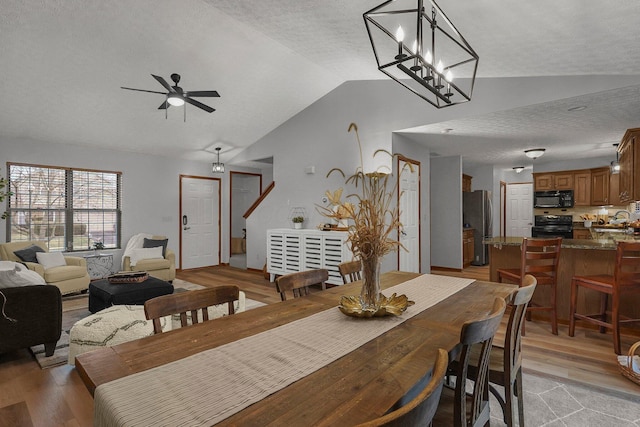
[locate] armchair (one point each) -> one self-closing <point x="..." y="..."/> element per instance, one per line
<point x="161" y="268"/>
<point x="37" y="310"/>
<point x="73" y="277"/>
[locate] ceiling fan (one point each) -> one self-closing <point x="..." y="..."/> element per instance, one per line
<point x="176" y="96"/>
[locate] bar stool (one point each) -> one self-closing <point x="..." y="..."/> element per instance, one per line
<point x="625" y="279"/>
<point x="539" y="257"/>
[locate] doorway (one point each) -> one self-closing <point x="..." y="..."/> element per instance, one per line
<point x="245" y="189"/>
<point x="200" y="221"/>
<point x="409" y="205"/>
<point x="519" y="210"/>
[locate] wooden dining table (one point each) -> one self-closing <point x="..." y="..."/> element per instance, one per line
<point x="357" y="387"/>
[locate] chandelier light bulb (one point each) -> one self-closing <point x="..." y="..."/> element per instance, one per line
<point x="440" y="67"/>
<point x="414" y="47"/>
<point x="400" y="34"/>
<point x="449" y="76"/>
<point x="428" y="57"/>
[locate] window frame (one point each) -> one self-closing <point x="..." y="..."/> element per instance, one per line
<point x="69" y="210"/>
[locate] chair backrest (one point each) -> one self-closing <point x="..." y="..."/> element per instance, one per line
<point x="627" y="269"/>
<point x="513" y="336"/>
<point x="420" y="410"/>
<point x="350" y="271"/>
<point x="191" y="301"/>
<point x="540" y="258"/>
<point x="479" y="333"/>
<point x="298" y="283"/>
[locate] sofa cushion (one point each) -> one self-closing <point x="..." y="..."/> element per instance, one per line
<point x="139" y="254"/>
<point x="28" y="254"/>
<point x="152" y="264"/>
<point x="154" y="243"/>
<point x="65" y="272"/>
<point x="13" y="274"/>
<point x="50" y="259"/>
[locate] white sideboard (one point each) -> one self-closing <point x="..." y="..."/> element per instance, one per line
<point x="291" y="250"/>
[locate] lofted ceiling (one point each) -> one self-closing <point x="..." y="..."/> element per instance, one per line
<point x="63" y="63"/>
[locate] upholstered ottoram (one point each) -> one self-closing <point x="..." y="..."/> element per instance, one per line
<point x="103" y="294"/>
<point x="69" y="278"/>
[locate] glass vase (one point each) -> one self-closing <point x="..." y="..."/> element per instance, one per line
<point x="370" y="293"/>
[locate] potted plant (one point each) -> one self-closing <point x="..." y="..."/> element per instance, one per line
<point x="297" y="221"/>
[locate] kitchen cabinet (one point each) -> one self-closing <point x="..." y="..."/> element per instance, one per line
<point x="466" y="183"/>
<point x="600" y="186"/>
<point x="614" y="189"/>
<point x="581" y="233"/>
<point x="629" y="158"/>
<point x="582" y="188"/>
<point x="468" y="244"/>
<point x="553" y="181"/>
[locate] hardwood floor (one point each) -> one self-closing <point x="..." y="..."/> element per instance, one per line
<point x="30" y="396"/>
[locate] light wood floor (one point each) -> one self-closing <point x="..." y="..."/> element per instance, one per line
<point x="30" y="396"/>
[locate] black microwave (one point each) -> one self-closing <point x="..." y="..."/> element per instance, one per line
<point x="553" y="199"/>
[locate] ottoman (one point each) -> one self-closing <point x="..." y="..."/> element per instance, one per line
<point x="103" y="294"/>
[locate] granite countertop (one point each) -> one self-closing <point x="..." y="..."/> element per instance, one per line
<point x="602" y="244"/>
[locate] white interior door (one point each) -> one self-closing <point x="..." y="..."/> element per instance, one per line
<point x="200" y="216"/>
<point x="409" y="216"/>
<point x="519" y="209"/>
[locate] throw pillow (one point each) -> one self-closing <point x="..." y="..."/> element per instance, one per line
<point x="51" y="259"/>
<point x="13" y="274"/>
<point x="153" y="243"/>
<point x="28" y="254"/>
<point x="138" y="254"/>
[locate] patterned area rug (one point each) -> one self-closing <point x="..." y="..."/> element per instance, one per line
<point x="75" y="308"/>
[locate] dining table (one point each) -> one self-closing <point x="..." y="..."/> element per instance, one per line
<point x="372" y="377"/>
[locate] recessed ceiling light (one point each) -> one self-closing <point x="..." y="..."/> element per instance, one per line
<point x="578" y="108"/>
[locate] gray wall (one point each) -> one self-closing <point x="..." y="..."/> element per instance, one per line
<point x="446" y="212"/>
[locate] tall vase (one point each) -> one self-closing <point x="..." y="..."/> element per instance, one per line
<point x="370" y="293"/>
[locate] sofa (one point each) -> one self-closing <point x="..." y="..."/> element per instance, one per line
<point x="37" y="310"/>
<point x="69" y="278"/>
<point x="161" y="268"/>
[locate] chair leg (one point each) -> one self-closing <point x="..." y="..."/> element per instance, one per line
<point x="49" y="348"/>
<point x="509" y="390"/>
<point x="554" y="314"/>
<point x="572" y="307"/>
<point x="615" y="322"/>
<point x="520" y="397"/>
<point x="604" y="298"/>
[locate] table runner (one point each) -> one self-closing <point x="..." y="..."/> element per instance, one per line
<point x="206" y="388"/>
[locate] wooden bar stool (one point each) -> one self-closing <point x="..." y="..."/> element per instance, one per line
<point x="540" y="259"/>
<point x="625" y="279"/>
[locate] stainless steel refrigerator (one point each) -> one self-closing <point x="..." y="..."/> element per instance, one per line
<point x="476" y="213"/>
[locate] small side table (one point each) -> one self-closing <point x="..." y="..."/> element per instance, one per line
<point x="99" y="265"/>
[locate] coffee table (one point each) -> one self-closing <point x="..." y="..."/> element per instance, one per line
<point x="103" y="294"/>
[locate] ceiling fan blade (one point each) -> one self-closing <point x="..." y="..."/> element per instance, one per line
<point x="164" y="106"/>
<point x="164" y="83"/>
<point x="199" y="104"/>
<point x="211" y="93"/>
<point x="142" y="90"/>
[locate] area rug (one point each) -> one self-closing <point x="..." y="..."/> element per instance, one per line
<point x="75" y="308"/>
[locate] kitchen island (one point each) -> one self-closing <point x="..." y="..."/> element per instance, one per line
<point x="577" y="257"/>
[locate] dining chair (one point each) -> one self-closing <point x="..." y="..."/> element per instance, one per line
<point x="298" y="283"/>
<point x="540" y="258"/>
<point x="457" y="407"/>
<point x="350" y="271"/>
<point x="505" y="361"/>
<point x="190" y="302"/>
<point x="420" y="410"/>
<point x="625" y="280"/>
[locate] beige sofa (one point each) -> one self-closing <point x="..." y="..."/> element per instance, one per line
<point x="163" y="269"/>
<point x="73" y="277"/>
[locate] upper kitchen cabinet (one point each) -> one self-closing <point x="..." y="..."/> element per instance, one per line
<point x="553" y="181"/>
<point x="629" y="157"/>
<point x="466" y="183"/>
<point x="582" y="188"/>
<point x="600" y="186"/>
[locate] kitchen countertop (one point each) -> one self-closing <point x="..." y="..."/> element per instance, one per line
<point x="602" y="244"/>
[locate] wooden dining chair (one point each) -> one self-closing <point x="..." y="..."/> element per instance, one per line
<point x="420" y="410"/>
<point x="540" y="258"/>
<point x="298" y="283"/>
<point x="190" y="302"/>
<point x="625" y="280"/>
<point x="350" y="271"/>
<point x="505" y="361"/>
<point x="457" y="407"/>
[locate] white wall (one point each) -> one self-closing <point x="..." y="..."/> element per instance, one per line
<point x="446" y="212"/>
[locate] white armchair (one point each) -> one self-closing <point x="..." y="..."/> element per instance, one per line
<point x="161" y="268"/>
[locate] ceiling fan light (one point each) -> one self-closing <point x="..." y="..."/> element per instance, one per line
<point x="175" y="100"/>
<point x="534" y="153"/>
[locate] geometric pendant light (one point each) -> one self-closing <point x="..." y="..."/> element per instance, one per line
<point x="217" y="166"/>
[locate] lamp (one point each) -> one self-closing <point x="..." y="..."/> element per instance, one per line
<point x="518" y="169"/>
<point x="615" y="165"/>
<point x="534" y="153"/>
<point x="436" y="52"/>
<point x="217" y="166"/>
<point x="175" y="99"/>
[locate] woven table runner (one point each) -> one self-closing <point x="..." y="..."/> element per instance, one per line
<point x="206" y="388"/>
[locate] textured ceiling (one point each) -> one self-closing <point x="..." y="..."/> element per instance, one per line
<point x="64" y="61"/>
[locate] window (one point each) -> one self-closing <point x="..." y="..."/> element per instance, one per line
<point x="71" y="209"/>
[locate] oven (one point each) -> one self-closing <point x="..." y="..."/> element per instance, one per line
<point x="553" y="226"/>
